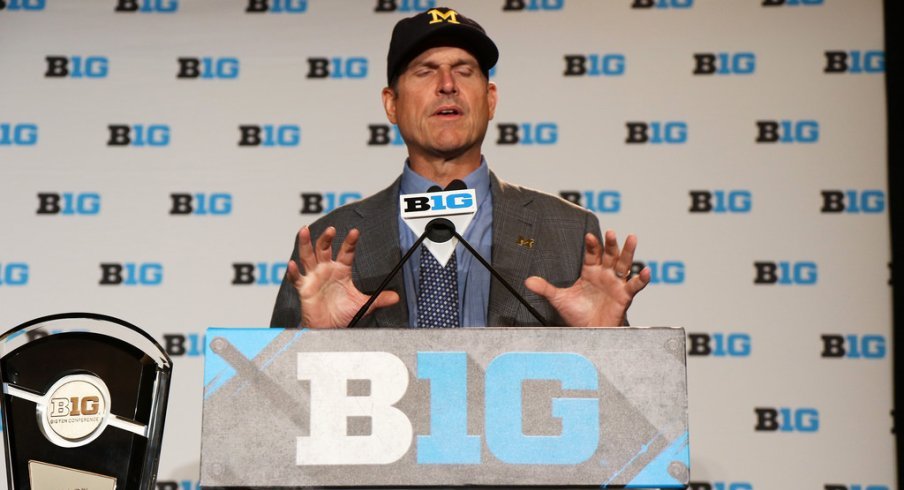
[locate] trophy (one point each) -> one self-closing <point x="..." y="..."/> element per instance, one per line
<point x="84" y="399"/>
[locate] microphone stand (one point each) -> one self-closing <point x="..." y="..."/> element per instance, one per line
<point x="441" y="230"/>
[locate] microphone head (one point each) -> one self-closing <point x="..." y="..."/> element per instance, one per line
<point x="435" y="188"/>
<point x="440" y="230"/>
<point x="456" y="185"/>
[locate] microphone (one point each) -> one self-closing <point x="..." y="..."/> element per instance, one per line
<point x="438" y="233"/>
<point x="395" y="270"/>
<point x="441" y="230"/>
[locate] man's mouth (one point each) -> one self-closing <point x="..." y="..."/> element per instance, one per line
<point x="448" y="111"/>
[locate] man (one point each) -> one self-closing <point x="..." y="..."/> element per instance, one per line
<point x="440" y="97"/>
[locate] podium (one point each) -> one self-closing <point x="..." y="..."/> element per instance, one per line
<point x="513" y="407"/>
<point x="84" y="398"/>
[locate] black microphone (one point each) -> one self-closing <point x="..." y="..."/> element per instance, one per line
<point x="435" y="230"/>
<point x="441" y="230"/>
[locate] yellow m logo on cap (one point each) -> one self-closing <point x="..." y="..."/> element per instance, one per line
<point x="451" y="16"/>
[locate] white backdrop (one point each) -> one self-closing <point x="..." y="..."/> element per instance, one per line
<point x="759" y="249"/>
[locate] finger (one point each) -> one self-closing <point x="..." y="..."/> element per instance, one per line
<point x="593" y="251"/>
<point x="346" y="253"/>
<point x="541" y="287"/>
<point x="324" y="249"/>
<point x="626" y="258"/>
<point x="610" y="249"/>
<point x="293" y="273"/>
<point x="386" y="298"/>
<point x="639" y="281"/>
<point x="305" y="249"/>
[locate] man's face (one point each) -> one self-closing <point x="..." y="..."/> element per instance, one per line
<point x="442" y="104"/>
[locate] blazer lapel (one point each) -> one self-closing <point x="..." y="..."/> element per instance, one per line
<point x="378" y="252"/>
<point x="513" y="220"/>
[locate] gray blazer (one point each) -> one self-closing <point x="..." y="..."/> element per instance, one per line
<point x="520" y="215"/>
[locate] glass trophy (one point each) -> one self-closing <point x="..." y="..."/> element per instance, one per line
<point x="84" y="399"/>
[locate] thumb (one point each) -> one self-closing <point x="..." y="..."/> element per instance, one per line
<point x="386" y="298"/>
<point x="541" y="287"/>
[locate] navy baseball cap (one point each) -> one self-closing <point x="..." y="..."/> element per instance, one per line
<point x="439" y="26"/>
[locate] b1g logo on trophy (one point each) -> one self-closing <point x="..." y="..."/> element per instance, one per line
<point x="77" y="412"/>
<point x="84" y="398"/>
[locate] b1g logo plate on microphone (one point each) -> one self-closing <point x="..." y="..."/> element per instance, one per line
<point x="76" y="410"/>
<point x="458" y="206"/>
<point x="436" y="204"/>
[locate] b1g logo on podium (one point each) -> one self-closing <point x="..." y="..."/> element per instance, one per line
<point x="390" y="438"/>
<point x="77" y="410"/>
<point x="407" y="407"/>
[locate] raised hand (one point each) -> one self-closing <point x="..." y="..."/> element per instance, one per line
<point x="603" y="293"/>
<point x="328" y="297"/>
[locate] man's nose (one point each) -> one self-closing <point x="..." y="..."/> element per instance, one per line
<point x="447" y="81"/>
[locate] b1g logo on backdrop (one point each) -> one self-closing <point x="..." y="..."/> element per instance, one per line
<point x="20" y="5"/>
<point x="853" y="201"/>
<point x="183" y="345"/>
<point x="532" y="5"/>
<point x="786" y="419"/>
<point x="855" y="61"/>
<point x="147" y="6"/>
<point x="791" y="3"/>
<point x="733" y="344"/>
<point x="208" y="68"/>
<point x="854" y="486"/>
<point x="384" y="134"/>
<point x="276" y="6"/>
<point x="200" y="204"/>
<point x="68" y="203"/>
<point x="607" y="201"/>
<point x="18" y="134"/>
<point x="131" y="274"/>
<point x="258" y="274"/>
<point x="699" y="485"/>
<point x="721" y="201"/>
<point x="13" y="274"/>
<point x="785" y="131"/>
<point x="270" y="135"/>
<point x="742" y="63"/>
<point x="656" y="132"/>
<point x="139" y="135"/>
<point x="541" y="133"/>
<point x="324" y="202"/>
<point x="404" y="5"/>
<point x="785" y="273"/>
<point x="77" y="67"/>
<point x="664" y="272"/>
<point x="352" y="67"/>
<point x="853" y="346"/>
<point x="594" y="65"/>
<point x="662" y="4"/>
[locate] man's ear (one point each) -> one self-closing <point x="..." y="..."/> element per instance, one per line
<point x="389" y="104"/>
<point x="492" y="97"/>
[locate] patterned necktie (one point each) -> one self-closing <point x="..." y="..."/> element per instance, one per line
<point x="437" y="299"/>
